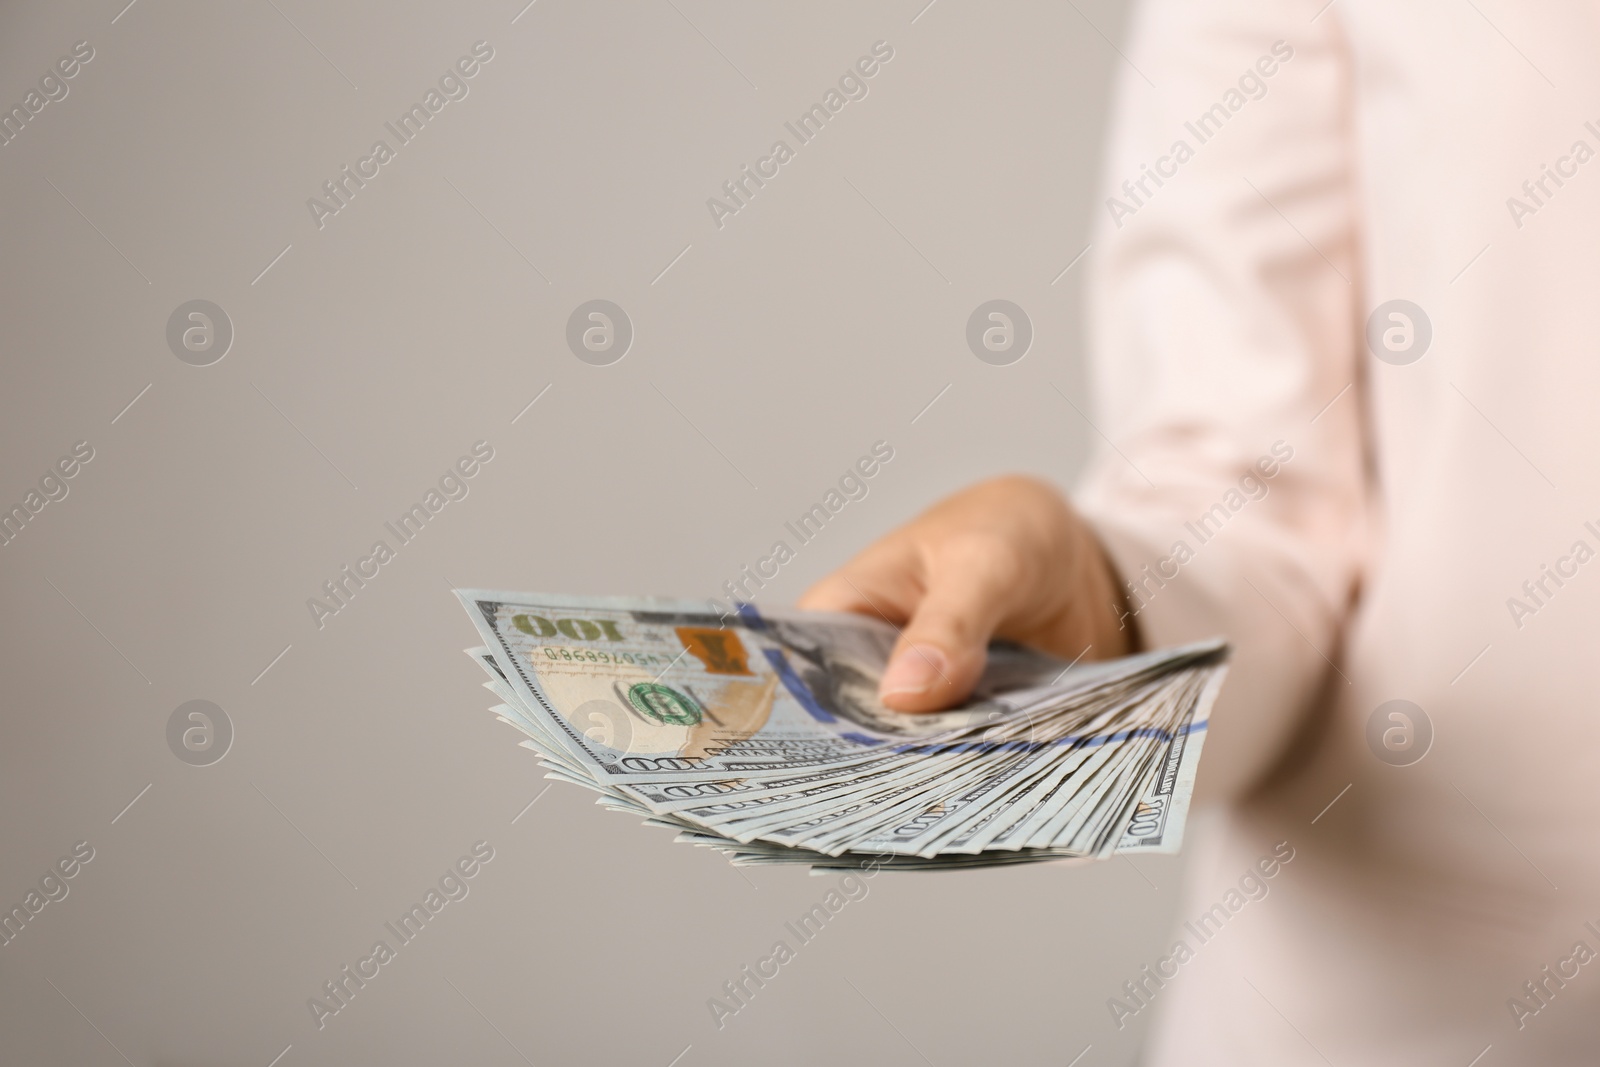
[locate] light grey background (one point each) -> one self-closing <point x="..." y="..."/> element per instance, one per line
<point x="425" y="316"/>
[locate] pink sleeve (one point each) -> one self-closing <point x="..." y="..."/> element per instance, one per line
<point x="1224" y="336"/>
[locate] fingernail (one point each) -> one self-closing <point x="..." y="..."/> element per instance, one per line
<point x="916" y="669"/>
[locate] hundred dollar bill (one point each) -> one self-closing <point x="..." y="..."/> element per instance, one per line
<point x="760" y="734"/>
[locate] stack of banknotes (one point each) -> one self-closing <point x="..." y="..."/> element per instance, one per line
<point x="760" y="734"/>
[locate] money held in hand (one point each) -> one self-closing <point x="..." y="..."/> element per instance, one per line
<point x="760" y="734"/>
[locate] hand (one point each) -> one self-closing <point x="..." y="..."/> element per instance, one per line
<point x="1005" y="558"/>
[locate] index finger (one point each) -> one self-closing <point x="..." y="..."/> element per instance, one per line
<point x="881" y="582"/>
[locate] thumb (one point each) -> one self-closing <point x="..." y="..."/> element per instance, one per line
<point x="942" y="650"/>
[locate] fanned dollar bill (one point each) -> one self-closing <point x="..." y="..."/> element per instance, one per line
<point x="760" y="734"/>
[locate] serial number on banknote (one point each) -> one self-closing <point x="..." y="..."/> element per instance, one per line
<point x="589" y="655"/>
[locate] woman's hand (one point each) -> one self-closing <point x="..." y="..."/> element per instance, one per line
<point x="1005" y="558"/>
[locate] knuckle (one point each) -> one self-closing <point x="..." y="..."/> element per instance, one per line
<point x="988" y="560"/>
